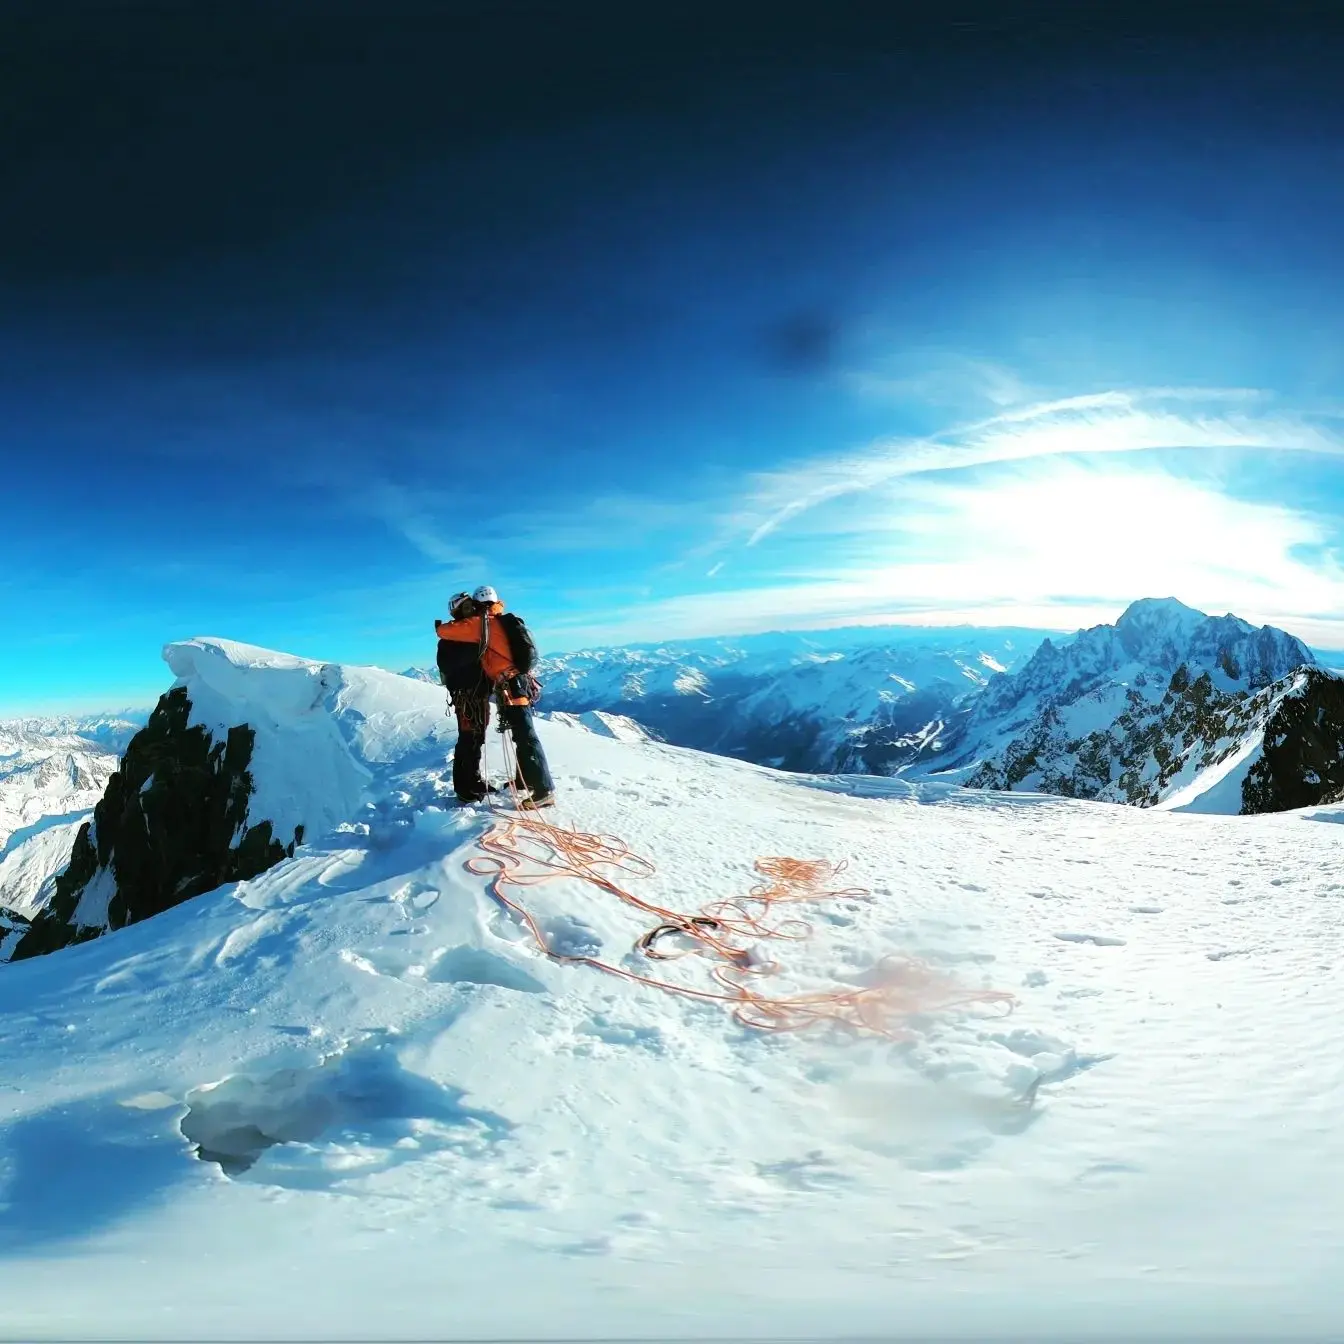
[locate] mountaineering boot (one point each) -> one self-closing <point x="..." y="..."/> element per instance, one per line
<point x="535" y="802"/>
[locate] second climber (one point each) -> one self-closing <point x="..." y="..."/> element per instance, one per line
<point x="485" y="654"/>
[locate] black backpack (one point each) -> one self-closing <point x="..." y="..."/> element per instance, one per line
<point x="460" y="666"/>
<point x="521" y="646"/>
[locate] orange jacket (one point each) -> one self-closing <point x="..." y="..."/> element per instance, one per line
<point x="497" y="658"/>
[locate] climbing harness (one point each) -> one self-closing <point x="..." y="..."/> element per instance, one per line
<point x="523" y="850"/>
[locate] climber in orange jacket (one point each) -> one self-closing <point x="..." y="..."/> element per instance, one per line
<point x="487" y="653"/>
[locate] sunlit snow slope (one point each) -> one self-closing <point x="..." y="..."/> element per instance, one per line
<point x="421" y="1127"/>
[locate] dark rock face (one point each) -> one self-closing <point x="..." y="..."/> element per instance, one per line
<point x="1302" y="760"/>
<point x="1136" y="758"/>
<point x="172" y="824"/>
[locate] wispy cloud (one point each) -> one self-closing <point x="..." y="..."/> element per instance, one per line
<point x="405" y="515"/>
<point x="1101" y="423"/>
<point x="1052" y="514"/>
<point x="1046" y="543"/>
<point x="939" y="378"/>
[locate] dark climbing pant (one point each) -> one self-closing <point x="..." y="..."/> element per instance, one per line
<point x="473" y="719"/>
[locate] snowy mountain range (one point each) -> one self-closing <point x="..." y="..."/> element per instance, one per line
<point x="52" y="772"/>
<point x="1133" y="712"/>
<point x="865" y="699"/>
<point x="351" y="1048"/>
<point x="1144" y="711"/>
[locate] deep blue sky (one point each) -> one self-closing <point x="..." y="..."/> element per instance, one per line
<point x="312" y="313"/>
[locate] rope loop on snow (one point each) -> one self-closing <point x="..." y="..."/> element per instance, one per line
<point x="522" y="850"/>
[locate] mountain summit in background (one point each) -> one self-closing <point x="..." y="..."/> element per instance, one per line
<point x="1140" y="711"/>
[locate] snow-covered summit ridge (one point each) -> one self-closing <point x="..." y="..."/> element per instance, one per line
<point x="325" y="732"/>
<point x="1152" y="637"/>
<point x="1164" y="633"/>
<point x="618" y="726"/>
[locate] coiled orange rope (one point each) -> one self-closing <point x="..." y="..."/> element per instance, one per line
<point x="523" y="850"/>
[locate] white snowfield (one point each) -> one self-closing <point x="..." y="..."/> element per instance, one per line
<point x="425" y="1128"/>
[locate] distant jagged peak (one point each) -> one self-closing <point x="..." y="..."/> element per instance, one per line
<point x="1164" y="632"/>
<point x="1160" y="613"/>
<point x="1171" y="616"/>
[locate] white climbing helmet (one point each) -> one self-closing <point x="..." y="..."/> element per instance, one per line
<point x="485" y="594"/>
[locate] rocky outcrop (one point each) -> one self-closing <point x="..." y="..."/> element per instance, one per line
<point x="1301" y="760"/>
<point x="172" y="823"/>
<point x="1139" y="757"/>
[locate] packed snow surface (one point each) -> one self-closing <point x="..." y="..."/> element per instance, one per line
<point x="415" y="1125"/>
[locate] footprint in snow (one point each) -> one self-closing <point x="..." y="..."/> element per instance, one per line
<point x="1107" y="1173"/>
<point x="306" y="1120"/>
<point x="1097" y="939"/>
<point x="600" y="1027"/>
<point x="588" y="1246"/>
